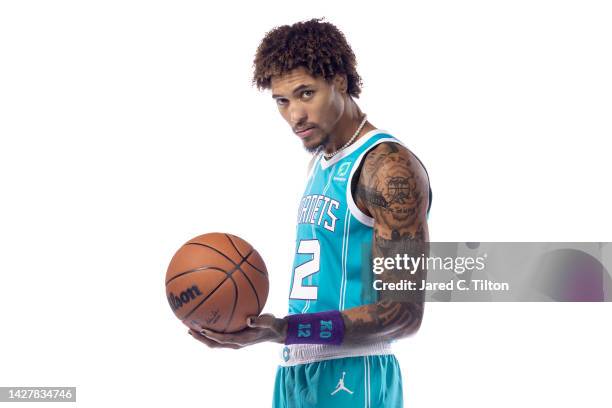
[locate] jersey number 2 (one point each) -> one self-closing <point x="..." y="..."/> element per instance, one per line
<point x="298" y="290"/>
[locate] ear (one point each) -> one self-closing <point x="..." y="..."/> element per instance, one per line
<point x="341" y="83"/>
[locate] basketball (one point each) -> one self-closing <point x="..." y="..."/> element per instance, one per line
<point x="215" y="281"/>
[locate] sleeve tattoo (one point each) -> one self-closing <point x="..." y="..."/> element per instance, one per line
<point x="394" y="188"/>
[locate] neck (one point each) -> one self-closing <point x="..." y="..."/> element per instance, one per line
<point x="345" y="128"/>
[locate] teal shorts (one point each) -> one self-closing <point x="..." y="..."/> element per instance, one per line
<point x="363" y="381"/>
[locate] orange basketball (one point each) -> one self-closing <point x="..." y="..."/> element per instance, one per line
<point x="215" y="281"/>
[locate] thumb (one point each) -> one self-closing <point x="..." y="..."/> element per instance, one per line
<point x="264" y="321"/>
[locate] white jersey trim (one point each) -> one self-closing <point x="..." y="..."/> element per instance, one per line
<point x="327" y="163"/>
<point x="355" y="211"/>
<point x="312" y="166"/>
<point x="309" y="353"/>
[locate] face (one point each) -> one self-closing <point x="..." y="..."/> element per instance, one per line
<point x="312" y="106"/>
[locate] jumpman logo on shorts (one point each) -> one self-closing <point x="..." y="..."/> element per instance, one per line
<point x="340" y="386"/>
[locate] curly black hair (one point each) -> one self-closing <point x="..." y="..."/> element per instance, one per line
<point x="316" y="45"/>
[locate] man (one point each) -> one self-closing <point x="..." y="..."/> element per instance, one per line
<point x="367" y="197"/>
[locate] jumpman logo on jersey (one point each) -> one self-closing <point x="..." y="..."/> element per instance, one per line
<point x="340" y="386"/>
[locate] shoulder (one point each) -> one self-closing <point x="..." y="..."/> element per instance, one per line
<point x="392" y="183"/>
<point x="389" y="159"/>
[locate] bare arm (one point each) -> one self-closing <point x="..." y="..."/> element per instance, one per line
<point x="393" y="186"/>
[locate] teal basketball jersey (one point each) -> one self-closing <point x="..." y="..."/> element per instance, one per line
<point x="334" y="237"/>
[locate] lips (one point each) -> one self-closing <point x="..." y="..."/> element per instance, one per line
<point x="305" y="132"/>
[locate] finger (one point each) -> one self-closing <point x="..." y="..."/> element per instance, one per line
<point x="202" y="339"/>
<point x="242" y="338"/>
<point x="213" y="336"/>
<point x="221" y="338"/>
<point x="210" y="343"/>
<point x="264" y="321"/>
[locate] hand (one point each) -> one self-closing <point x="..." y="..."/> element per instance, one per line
<point x="261" y="328"/>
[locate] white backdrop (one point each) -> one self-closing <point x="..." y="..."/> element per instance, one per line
<point x="128" y="127"/>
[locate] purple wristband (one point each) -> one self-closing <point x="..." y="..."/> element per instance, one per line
<point x="315" y="328"/>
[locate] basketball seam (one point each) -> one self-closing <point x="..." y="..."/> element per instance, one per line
<point x="204" y="300"/>
<point x="228" y="276"/>
<point x="201" y="268"/>
<point x="229" y="321"/>
<point x="219" y="252"/>
<point x="257" y="269"/>
<point x="244" y="273"/>
<point x="247" y="261"/>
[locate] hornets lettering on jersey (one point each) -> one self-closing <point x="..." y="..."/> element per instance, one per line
<point x="333" y="241"/>
<point x="315" y="207"/>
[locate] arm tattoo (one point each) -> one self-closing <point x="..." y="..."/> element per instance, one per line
<point x="393" y="187"/>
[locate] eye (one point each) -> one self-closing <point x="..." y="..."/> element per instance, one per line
<point x="281" y="101"/>
<point x="308" y="93"/>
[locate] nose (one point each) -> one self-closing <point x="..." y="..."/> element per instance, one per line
<point x="297" y="115"/>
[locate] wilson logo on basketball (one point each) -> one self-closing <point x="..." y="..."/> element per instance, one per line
<point x="186" y="296"/>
